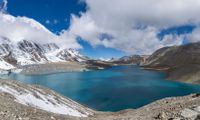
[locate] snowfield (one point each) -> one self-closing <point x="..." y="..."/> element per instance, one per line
<point x="13" y="55"/>
<point x="39" y="98"/>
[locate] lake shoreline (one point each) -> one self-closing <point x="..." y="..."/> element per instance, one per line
<point x="120" y="76"/>
<point x="166" y="108"/>
<point x="179" y="74"/>
<point x="66" y="67"/>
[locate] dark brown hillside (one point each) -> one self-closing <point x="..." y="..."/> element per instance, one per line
<point x="182" y="62"/>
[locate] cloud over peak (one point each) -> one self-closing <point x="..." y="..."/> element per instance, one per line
<point x="23" y="28"/>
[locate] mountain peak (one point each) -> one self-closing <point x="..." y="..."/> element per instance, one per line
<point x="27" y="52"/>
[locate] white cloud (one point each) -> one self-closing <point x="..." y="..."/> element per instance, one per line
<point x="86" y="28"/>
<point x="195" y="35"/>
<point x="20" y="28"/>
<point x="134" y="24"/>
<point x="130" y="40"/>
<point x="145" y="12"/>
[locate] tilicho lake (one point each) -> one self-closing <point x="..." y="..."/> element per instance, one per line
<point x="112" y="89"/>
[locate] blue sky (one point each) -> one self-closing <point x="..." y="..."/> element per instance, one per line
<point x="55" y="15"/>
<point x="47" y="10"/>
<point x="106" y="31"/>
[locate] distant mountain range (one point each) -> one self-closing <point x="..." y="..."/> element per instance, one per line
<point x="133" y="59"/>
<point x="28" y="52"/>
<point x="180" y="62"/>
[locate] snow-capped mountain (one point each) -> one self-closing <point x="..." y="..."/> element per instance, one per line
<point x="24" y="52"/>
<point x="24" y="41"/>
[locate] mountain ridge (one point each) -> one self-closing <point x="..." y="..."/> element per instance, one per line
<point x="181" y="63"/>
<point x="26" y="52"/>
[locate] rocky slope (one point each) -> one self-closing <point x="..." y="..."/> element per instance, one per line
<point x="35" y="97"/>
<point x="181" y="62"/>
<point x="21" y="102"/>
<point x="27" y="52"/>
<point x="126" y="60"/>
<point x="134" y="59"/>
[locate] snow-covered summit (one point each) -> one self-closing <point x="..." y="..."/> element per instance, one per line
<point x="27" y="52"/>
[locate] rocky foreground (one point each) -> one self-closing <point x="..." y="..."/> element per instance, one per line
<point x="29" y="102"/>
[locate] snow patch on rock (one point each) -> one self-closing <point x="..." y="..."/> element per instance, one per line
<point x="42" y="101"/>
<point x="5" y="66"/>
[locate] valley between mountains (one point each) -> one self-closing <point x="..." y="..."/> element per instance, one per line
<point x="181" y="63"/>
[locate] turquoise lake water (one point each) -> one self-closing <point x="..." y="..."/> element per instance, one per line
<point x="111" y="89"/>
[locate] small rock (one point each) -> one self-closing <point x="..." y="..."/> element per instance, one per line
<point x="52" y="118"/>
<point x="196" y="95"/>
<point x="16" y="116"/>
<point x="161" y="116"/>
<point x="176" y="119"/>
<point x="188" y="113"/>
<point x="197" y="109"/>
<point x="171" y="119"/>
<point x="2" y="114"/>
<point x="198" y="117"/>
